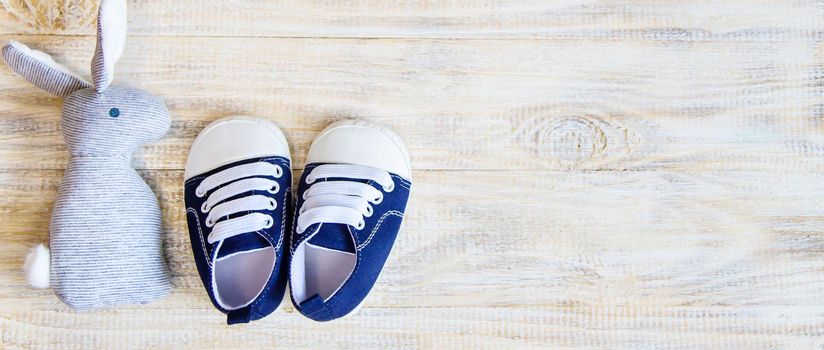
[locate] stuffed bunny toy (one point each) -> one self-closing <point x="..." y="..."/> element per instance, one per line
<point x="105" y="232"/>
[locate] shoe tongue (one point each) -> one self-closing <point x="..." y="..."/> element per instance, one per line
<point x="241" y="243"/>
<point x="335" y="237"/>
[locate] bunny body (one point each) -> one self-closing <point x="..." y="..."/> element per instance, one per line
<point x="105" y="231"/>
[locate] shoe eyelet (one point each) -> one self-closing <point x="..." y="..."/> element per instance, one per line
<point x="369" y="211"/>
<point x="278" y="171"/>
<point x="390" y="188"/>
<point x="274" y="189"/>
<point x="272" y="204"/>
<point x="209" y="223"/>
<point x="360" y="225"/>
<point x="269" y="222"/>
<point x="309" y="179"/>
<point x="204" y="208"/>
<point x="378" y="200"/>
<point x="199" y="192"/>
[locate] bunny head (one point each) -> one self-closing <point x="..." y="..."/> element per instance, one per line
<point x="98" y="119"/>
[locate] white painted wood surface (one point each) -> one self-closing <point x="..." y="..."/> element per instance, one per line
<point x="588" y="174"/>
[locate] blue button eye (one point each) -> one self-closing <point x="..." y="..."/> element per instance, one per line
<point x="114" y="112"/>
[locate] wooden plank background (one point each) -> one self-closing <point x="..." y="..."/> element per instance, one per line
<point x="592" y="174"/>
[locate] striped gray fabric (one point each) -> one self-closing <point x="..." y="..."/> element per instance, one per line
<point x="111" y="37"/>
<point x="100" y="76"/>
<point x="105" y="231"/>
<point x="41" y="74"/>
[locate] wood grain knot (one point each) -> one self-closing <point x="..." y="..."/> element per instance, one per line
<point x="576" y="141"/>
<point x="49" y="16"/>
<point x="571" y="140"/>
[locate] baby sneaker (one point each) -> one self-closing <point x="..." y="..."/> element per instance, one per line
<point x="237" y="192"/>
<point x="350" y="202"/>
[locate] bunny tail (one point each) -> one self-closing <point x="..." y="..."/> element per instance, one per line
<point x="37" y="266"/>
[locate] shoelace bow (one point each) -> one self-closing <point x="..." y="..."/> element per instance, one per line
<point x="253" y="177"/>
<point x="342" y="201"/>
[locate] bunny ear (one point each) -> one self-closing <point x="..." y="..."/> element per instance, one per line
<point x="41" y="70"/>
<point x="111" y="38"/>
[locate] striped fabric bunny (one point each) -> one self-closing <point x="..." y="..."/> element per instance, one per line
<point x="105" y="233"/>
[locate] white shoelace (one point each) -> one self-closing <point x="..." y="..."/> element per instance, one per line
<point x="250" y="181"/>
<point x="342" y="201"/>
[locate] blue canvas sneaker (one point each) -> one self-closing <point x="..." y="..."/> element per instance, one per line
<point x="237" y="190"/>
<point x="350" y="203"/>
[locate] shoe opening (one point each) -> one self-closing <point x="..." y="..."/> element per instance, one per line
<point x="240" y="277"/>
<point x="319" y="270"/>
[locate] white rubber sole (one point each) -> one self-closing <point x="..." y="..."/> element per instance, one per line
<point x="361" y="142"/>
<point x="235" y="138"/>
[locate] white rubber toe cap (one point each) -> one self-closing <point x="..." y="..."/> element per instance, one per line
<point x="232" y="139"/>
<point x="361" y="142"/>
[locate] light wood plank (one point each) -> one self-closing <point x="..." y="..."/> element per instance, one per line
<point x="589" y="174"/>
<point x="469" y="104"/>
<point x="684" y="327"/>
<point x="653" y="259"/>
<point x="604" y="19"/>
